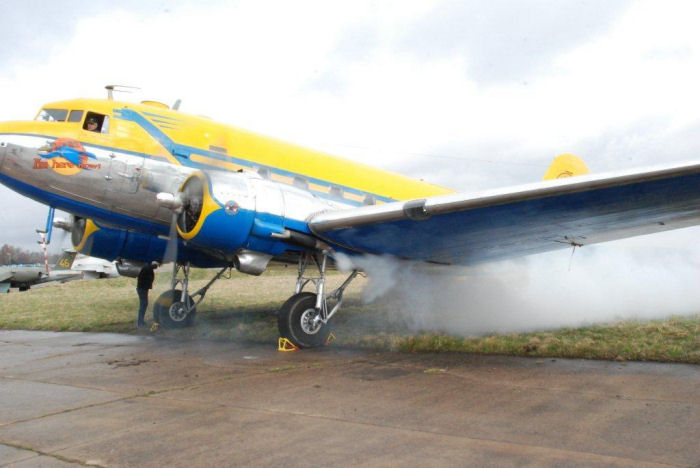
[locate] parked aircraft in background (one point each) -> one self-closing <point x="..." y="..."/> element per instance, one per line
<point x="151" y="183"/>
<point x="94" y="268"/>
<point x="71" y="266"/>
<point x="24" y="276"/>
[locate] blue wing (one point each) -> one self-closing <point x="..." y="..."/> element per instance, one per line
<point x="473" y="228"/>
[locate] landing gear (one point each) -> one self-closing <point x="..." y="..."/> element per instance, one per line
<point x="299" y="321"/>
<point x="175" y="308"/>
<point x="171" y="311"/>
<point x="303" y="319"/>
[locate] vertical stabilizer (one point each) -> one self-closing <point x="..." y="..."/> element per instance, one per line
<point x="565" y="165"/>
<point x="66" y="260"/>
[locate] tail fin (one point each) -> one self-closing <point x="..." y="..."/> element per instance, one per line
<point x="66" y="260"/>
<point x="565" y="165"/>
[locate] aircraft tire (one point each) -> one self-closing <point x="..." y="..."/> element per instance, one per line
<point x="290" y="319"/>
<point x="168" y="317"/>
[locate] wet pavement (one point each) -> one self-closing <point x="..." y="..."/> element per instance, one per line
<point x="117" y="400"/>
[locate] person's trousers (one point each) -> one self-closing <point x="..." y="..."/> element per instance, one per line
<point x="143" y="303"/>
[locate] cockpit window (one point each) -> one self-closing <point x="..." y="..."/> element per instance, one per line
<point x="95" y="122"/>
<point x="75" y="116"/>
<point x="52" y="115"/>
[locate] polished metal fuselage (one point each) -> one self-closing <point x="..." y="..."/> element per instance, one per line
<point x="114" y="182"/>
<point x="118" y="188"/>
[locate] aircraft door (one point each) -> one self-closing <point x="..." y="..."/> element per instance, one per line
<point x="268" y="199"/>
<point x="125" y="172"/>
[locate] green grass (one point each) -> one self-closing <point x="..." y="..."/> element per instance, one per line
<point x="243" y="308"/>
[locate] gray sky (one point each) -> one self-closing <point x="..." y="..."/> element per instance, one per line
<point x="470" y="95"/>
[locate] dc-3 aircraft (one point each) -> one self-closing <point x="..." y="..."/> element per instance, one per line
<point x="141" y="179"/>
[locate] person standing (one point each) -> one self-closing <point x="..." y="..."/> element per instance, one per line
<point x="144" y="282"/>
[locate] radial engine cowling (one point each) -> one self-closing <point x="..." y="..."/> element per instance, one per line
<point x="218" y="210"/>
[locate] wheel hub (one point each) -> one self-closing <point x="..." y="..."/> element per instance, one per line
<point x="178" y="312"/>
<point x="310" y="322"/>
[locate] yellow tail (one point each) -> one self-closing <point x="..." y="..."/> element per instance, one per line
<point x="565" y="165"/>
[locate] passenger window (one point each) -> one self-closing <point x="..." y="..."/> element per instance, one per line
<point x="75" y="116"/>
<point x="95" y="122"/>
<point x="52" y="115"/>
<point x="217" y="149"/>
<point x="300" y="182"/>
<point x="336" y="192"/>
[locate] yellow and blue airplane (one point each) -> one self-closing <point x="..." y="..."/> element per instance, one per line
<point x="145" y="182"/>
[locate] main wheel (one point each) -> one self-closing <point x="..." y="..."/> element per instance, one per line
<point x="296" y="321"/>
<point x="170" y="312"/>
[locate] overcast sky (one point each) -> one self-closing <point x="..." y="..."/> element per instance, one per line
<point x="470" y="95"/>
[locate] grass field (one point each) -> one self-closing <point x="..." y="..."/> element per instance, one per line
<point x="243" y="308"/>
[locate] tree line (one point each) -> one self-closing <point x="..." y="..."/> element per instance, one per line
<point x="11" y="255"/>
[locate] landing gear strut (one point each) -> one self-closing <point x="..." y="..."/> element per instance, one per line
<point x="175" y="308"/>
<point x="303" y="319"/>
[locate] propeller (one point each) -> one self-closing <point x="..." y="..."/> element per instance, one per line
<point x="191" y="198"/>
<point x="176" y="203"/>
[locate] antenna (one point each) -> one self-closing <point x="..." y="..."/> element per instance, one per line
<point x="176" y="106"/>
<point x="119" y="89"/>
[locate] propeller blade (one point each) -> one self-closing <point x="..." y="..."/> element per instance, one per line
<point x="170" y="254"/>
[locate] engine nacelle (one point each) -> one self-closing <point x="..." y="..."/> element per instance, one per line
<point x="218" y="210"/>
<point x="90" y="238"/>
<point x="231" y="212"/>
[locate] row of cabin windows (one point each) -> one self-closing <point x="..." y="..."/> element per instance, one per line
<point x="335" y="191"/>
<point x="75" y="116"/>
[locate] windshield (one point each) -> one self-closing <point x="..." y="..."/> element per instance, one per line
<point x="52" y="115"/>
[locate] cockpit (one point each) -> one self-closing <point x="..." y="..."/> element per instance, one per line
<point x="89" y="121"/>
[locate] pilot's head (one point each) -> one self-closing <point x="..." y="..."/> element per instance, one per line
<point x="91" y="124"/>
<point x="154" y="265"/>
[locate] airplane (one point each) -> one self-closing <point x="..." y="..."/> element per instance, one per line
<point x="95" y="268"/>
<point x="23" y="277"/>
<point x="150" y="183"/>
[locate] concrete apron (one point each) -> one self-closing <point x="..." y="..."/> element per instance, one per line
<point x="120" y="400"/>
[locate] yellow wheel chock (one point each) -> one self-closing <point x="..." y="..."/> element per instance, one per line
<point x="330" y="339"/>
<point x="284" y="345"/>
<point x="154" y="327"/>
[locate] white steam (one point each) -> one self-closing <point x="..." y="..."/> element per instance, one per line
<point x="601" y="283"/>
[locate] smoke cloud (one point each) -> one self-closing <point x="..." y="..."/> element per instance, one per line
<point x="598" y="283"/>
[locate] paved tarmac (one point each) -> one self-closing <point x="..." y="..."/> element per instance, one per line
<point x="117" y="400"/>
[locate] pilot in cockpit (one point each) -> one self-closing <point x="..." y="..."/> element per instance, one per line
<point x="91" y="125"/>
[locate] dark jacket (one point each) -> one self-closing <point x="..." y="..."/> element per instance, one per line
<point x="145" y="279"/>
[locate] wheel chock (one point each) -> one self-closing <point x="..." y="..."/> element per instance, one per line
<point x="154" y="326"/>
<point x="330" y="339"/>
<point x="284" y="345"/>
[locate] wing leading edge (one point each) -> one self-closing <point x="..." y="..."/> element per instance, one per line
<point x="473" y="228"/>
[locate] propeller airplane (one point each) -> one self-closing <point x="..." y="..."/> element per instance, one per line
<point x="150" y="183"/>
